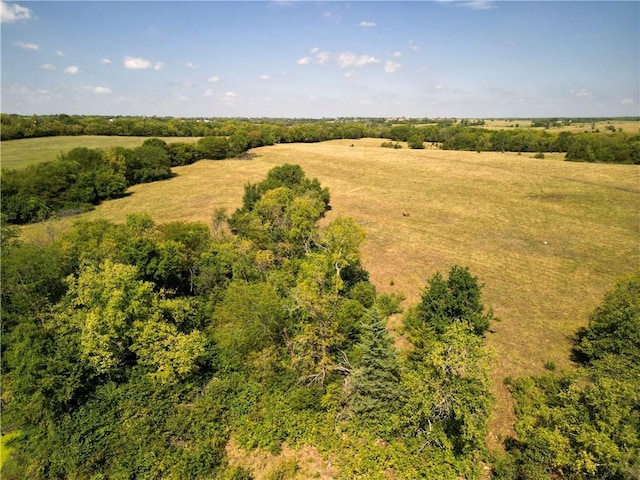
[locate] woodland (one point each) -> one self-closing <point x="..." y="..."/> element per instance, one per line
<point x="144" y="350"/>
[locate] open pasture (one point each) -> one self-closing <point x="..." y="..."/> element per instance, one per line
<point x="18" y="154"/>
<point x="546" y="237"/>
<point x="629" y="126"/>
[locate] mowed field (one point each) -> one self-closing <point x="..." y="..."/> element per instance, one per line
<point x="629" y="126"/>
<point x="546" y="237"/>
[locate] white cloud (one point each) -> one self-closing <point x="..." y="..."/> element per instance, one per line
<point x="332" y="17"/>
<point x="72" y="70"/>
<point x="397" y="53"/>
<point x="322" y="57"/>
<point x="364" y="23"/>
<point x="228" y="97"/>
<point x="26" y="46"/>
<point x="265" y="77"/>
<point x="192" y="66"/>
<point x="626" y="101"/>
<point x="11" y="13"/>
<point x="106" y="61"/>
<point x="350" y="73"/>
<point x="214" y="79"/>
<point x="413" y="46"/>
<point x="60" y="53"/>
<point x="349" y="59"/>
<point x="183" y="84"/>
<point x="98" y="90"/>
<point x="319" y="57"/>
<point x="136" y="63"/>
<point x="159" y="66"/>
<point x="391" y="67"/>
<point x="48" y="67"/>
<point x="477" y="4"/>
<point x="209" y="92"/>
<point x="583" y="92"/>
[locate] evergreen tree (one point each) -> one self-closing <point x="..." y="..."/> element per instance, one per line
<point x="375" y="388"/>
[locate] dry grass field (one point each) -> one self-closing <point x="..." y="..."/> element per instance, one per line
<point x="629" y="126"/>
<point x="546" y="237"/>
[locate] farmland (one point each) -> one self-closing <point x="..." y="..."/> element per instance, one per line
<point x="546" y="237"/>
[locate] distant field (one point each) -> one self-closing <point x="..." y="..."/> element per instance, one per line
<point x="16" y="154"/>
<point x="546" y="237"/>
<point x="626" y="126"/>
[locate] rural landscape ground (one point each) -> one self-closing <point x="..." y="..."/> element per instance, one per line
<point x="546" y="237"/>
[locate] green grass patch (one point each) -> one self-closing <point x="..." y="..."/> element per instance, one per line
<point x="5" y="451"/>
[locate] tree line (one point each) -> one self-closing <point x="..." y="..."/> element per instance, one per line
<point x="451" y="134"/>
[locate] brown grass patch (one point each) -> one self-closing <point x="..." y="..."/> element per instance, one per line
<point x="292" y="464"/>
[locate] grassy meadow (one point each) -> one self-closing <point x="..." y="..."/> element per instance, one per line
<point x="546" y="237"/>
<point x="18" y="154"/>
<point x="629" y="126"/>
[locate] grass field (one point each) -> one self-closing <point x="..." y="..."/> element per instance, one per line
<point x="18" y="154"/>
<point x="629" y="126"/>
<point x="546" y="237"/>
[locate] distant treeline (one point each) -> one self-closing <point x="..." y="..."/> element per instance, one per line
<point x="258" y="132"/>
<point x="611" y="147"/>
<point x="238" y="135"/>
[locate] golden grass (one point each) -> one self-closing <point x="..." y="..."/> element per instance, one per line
<point x="16" y="154"/>
<point x="546" y="237"/>
<point x="629" y="126"/>
<point x="307" y="462"/>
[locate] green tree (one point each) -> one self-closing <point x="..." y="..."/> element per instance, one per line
<point x="250" y="318"/>
<point x="121" y="321"/>
<point x="416" y="142"/>
<point x="614" y="326"/>
<point x="213" y="148"/>
<point x="456" y="299"/>
<point x="375" y="390"/>
<point x="317" y="298"/>
<point x="449" y="400"/>
<point x="586" y="424"/>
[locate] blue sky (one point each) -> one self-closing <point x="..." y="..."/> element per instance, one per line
<point x="322" y="59"/>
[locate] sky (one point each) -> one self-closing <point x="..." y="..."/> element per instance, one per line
<point x="312" y="59"/>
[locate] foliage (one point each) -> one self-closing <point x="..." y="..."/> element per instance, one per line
<point x="375" y="391"/>
<point x="136" y="350"/>
<point x="456" y="299"/>
<point x="614" y="327"/>
<point x="585" y="425"/>
<point x="79" y="179"/>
